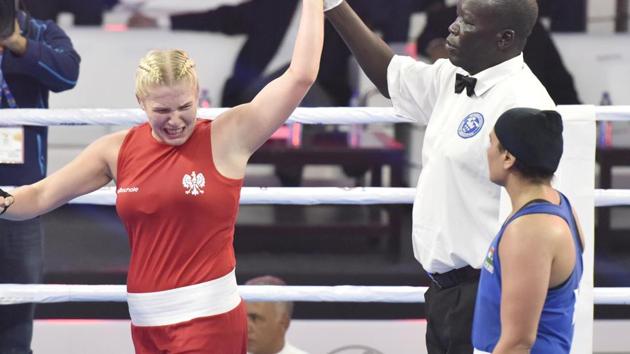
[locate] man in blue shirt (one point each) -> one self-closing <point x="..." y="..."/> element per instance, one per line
<point x="36" y="58"/>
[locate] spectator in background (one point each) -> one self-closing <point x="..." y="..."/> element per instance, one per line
<point x="37" y="57"/>
<point x="86" y="12"/>
<point x="565" y="15"/>
<point x="263" y="21"/>
<point x="268" y="322"/>
<point x="388" y="17"/>
<point x="540" y="53"/>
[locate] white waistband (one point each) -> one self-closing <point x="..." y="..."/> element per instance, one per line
<point x="186" y="303"/>
<point x="477" y="351"/>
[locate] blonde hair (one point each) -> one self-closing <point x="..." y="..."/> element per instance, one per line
<point x="164" y="67"/>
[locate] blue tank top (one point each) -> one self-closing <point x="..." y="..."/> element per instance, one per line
<point x="555" y="329"/>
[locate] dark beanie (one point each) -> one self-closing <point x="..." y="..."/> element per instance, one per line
<point x="533" y="136"/>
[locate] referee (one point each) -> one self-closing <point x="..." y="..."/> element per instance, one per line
<point x="456" y="209"/>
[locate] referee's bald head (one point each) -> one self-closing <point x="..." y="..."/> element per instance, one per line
<point x="517" y="15"/>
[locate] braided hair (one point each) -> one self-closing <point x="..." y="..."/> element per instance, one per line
<point x="164" y="67"/>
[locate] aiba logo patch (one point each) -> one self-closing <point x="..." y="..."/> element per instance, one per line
<point x="471" y="125"/>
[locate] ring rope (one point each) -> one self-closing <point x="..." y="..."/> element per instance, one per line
<point x="134" y="116"/>
<point x="21" y="293"/>
<point x="333" y="195"/>
<point x="50" y="293"/>
<point x="612" y="113"/>
<point x="305" y="115"/>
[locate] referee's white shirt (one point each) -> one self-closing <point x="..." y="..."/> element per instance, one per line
<point x="456" y="208"/>
<point x="289" y="349"/>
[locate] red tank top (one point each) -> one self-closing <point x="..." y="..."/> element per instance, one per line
<point x="179" y="211"/>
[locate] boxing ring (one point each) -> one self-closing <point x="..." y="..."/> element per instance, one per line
<point x="579" y="157"/>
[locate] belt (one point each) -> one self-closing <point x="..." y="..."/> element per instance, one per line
<point x="454" y="277"/>
<point x="178" y="305"/>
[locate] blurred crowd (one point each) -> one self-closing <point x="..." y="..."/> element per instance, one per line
<point x="265" y="22"/>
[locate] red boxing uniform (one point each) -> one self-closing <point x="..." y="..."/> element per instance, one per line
<point x="179" y="212"/>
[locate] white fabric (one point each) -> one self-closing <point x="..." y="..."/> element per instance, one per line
<point x="186" y="303"/>
<point x="331" y="4"/>
<point x="289" y="349"/>
<point x="456" y="209"/>
<point x="477" y="351"/>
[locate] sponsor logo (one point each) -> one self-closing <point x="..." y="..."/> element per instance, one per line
<point x="194" y="183"/>
<point x="122" y="190"/>
<point x="471" y="125"/>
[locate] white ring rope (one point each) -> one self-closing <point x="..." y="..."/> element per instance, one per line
<point x="49" y="293"/>
<point x="105" y="116"/>
<point x="612" y="113"/>
<point x="318" y="115"/>
<point x="291" y="196"/>
<point x="21" y="293"/>
<point x="333" y="195"/>
<point x="612" y="197"/>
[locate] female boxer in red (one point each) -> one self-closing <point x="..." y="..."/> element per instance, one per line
<point x="178" y="182"/>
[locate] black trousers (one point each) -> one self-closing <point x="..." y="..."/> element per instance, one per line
<point x="449" y="315"/>
<point x="21" y="245"/>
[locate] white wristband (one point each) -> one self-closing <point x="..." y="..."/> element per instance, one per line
<point x="331" y="4"/>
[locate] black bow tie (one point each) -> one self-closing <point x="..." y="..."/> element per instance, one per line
<point x="468" y="82"/>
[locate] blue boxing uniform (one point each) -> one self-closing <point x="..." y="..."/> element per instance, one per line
<point x="555" y="329"/>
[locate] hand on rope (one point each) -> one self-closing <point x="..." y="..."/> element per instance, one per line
<point x="6" y="200"/>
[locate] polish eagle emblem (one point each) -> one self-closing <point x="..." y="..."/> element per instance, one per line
<point x="194" y="183"/>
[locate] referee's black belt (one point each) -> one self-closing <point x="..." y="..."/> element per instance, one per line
<point x="455" y="277"/>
